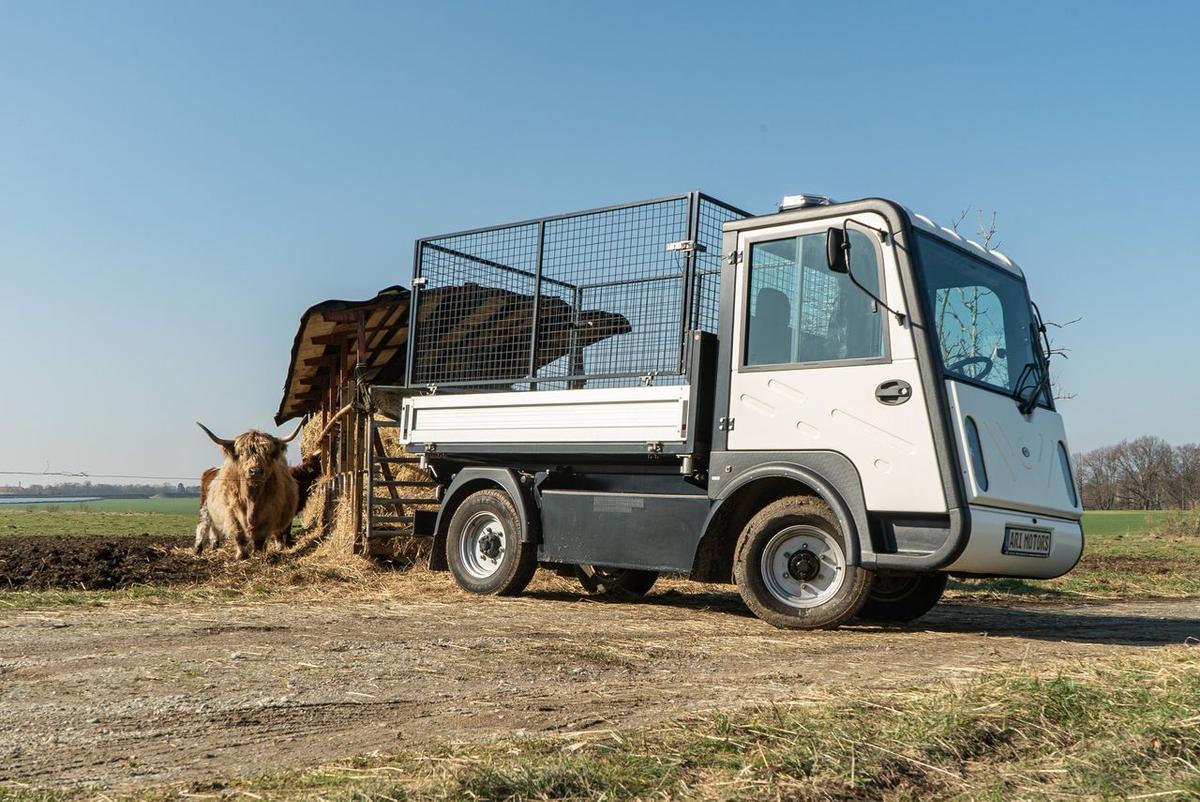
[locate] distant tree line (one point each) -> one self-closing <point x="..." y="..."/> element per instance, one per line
<point x="1143" y="474"/>
<point x="69" y="489"/>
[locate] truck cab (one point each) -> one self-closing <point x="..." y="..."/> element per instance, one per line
<point x="868" y="412"/>
<point x="923" y="366"/>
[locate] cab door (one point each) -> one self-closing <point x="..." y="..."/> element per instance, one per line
<point x="819" y="366"/>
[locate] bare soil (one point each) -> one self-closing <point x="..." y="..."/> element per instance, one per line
<point x="133" y="695"/>
<point x="48" y="562"/>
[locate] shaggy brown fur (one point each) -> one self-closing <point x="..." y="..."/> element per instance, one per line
<point x="306" y="475"/>
<point x="253" y="495"/>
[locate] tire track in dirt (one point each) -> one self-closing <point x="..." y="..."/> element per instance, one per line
<point x="134" y="695"/>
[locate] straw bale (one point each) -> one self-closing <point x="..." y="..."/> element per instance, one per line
<point x="309" y="444"/>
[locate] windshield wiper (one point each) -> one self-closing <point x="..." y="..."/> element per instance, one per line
<point x="1026" y="401"/>
<point x="1039" y="368"/>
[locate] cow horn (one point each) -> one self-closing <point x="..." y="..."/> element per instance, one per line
<point x="295" y="432"/>
<point x="214" y="438"/>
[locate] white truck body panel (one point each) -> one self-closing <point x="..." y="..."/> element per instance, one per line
<point x="1021" y="454"/>
<point x="609" y="415"/>
<point x="833" y="406"/>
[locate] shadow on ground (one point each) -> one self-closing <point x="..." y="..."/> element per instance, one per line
<point x="1058" y="622"/>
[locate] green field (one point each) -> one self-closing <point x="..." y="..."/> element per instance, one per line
<point x="150" y="516"/>
<point x="1120" y="522"/>
<point x="1127" y="554"/>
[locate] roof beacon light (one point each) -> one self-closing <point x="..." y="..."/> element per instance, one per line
<point x="800" y="201"/>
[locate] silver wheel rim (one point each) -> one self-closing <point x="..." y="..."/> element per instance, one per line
<point x="803" y="566"/>
<point x="483" y="545"/>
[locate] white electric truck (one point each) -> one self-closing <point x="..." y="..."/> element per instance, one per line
<point x="834" y="407"/>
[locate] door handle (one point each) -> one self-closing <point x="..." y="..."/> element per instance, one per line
<point x="893" y="392"/>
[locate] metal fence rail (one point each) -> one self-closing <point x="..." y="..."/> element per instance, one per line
<point x="592" y="299"/>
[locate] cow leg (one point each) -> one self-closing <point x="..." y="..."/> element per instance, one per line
<point x="245" y="547"/>
<point x="260" y="541"/>
<point x="204" y="531"/>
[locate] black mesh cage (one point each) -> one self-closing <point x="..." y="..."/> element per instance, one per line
<point x="601" y="298"/>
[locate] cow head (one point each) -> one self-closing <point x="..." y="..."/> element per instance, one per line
<point x="253" y="456"/>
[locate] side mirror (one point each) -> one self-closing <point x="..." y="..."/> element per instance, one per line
<point x="837" y="250"/>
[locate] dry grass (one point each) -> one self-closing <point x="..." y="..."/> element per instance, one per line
<point x="1113" y="728"/>
<point x="309" y="444"/>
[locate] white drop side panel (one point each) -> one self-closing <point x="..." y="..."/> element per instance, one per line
<point x="611" y="415"/>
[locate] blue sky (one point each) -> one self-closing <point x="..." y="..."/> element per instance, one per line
<point x="179" y="181"/>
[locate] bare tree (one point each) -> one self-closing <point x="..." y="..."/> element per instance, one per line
<point x="1098" y="478"/>
<point x="1144" y="469"/>
<point x="1187" y="475"/>
<point x="1144" y="473"/>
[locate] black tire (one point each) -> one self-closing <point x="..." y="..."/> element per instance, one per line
<point x="500" y="564"/>
<point x="897" y="598"/>
<point x="836" y="594"/>
<point x="615" y="583"/>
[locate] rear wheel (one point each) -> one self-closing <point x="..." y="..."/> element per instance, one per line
<point x="618" y="583"/>
<point x="903" y="597"/>
<point x="791" y="566"/>
<point x="483" y="546"/>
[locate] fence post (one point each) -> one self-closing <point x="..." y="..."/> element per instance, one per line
<point x="686" y="323"/>
<point x="537" y="303"/>
<point x="356" y="479"/>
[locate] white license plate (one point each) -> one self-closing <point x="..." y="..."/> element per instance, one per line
<point x="1026" y="542"/>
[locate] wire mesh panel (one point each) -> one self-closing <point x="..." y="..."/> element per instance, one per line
<point x="473" y="323"/>
<point x="706" y="304"/>
<point x="589" y="299"/>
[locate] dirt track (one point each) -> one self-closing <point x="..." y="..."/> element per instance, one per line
<point x="181" y="693"/>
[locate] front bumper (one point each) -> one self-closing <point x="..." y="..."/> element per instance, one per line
<point x="984" y="553"/>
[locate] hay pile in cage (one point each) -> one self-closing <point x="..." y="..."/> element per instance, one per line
<point x="327" y="520"/>
<point x="406" y="549"/>
<point x="309" y="442"/>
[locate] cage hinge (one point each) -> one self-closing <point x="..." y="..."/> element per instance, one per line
<point x="647" y="379"/>
<point x="734" y="257"/>
<point x="689" y="245"/>
<point x="420" y="281"/>
<point x="725" y="425"/>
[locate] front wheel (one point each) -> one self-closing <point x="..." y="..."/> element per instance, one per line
<point x="616" y="583"/>
<point x="791" y="566"/>
<point x="483" y="546"/>
<point x="898" y="598"/>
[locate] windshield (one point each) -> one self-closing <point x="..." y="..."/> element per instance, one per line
<point x="984" y="321"/>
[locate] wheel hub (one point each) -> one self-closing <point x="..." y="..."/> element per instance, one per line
<point x="482" y="545"/>
<point x="489" y="545"/>
<point x="803" y="566"/>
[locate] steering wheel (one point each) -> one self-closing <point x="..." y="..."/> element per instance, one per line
<point x="973" y="360"/>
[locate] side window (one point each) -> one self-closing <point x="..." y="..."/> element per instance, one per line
<point x="801" y="312"/>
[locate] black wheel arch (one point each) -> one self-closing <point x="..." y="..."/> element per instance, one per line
<point x="758" y="486"/>
<point x="469" y="480"/>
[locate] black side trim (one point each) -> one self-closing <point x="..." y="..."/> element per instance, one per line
<point x="830" y="474"/>
<point x="647" y="531"/>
